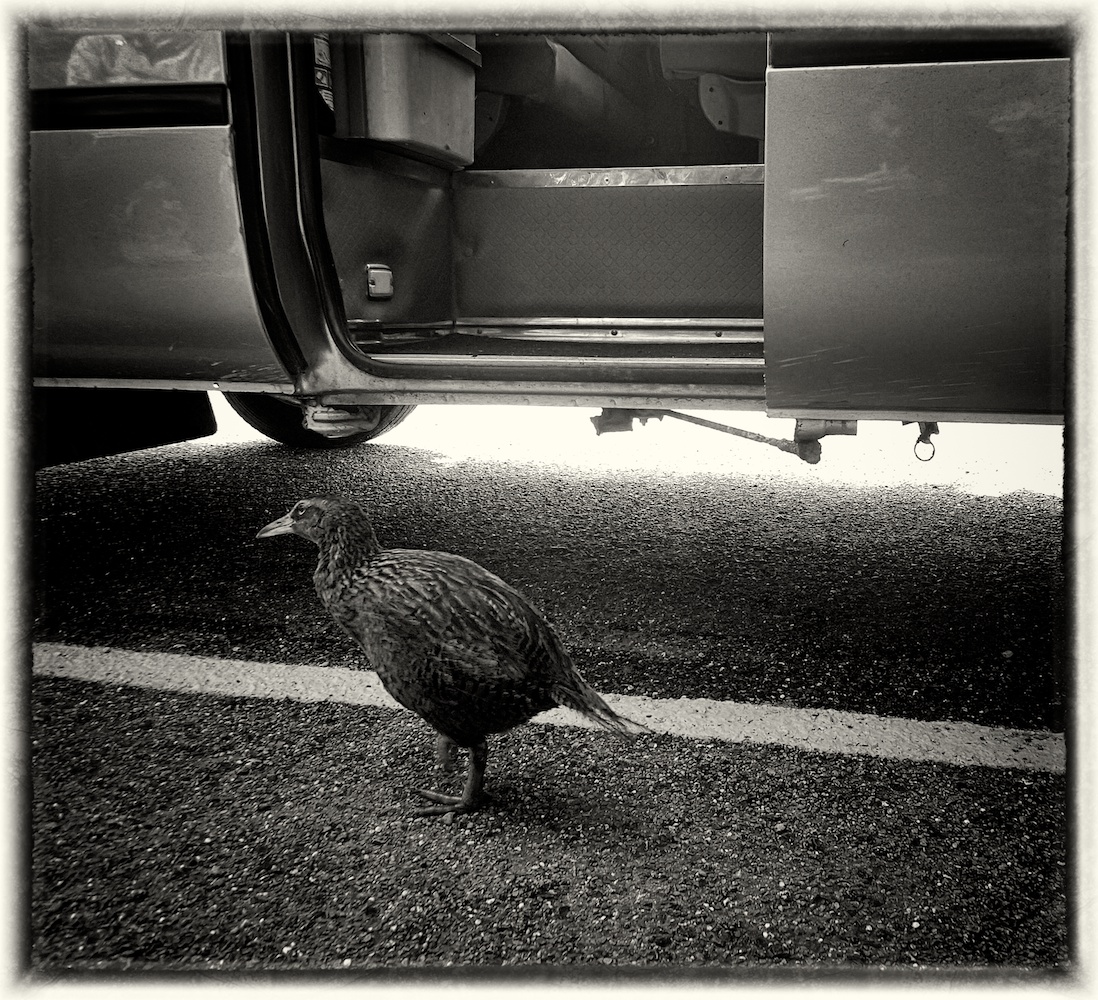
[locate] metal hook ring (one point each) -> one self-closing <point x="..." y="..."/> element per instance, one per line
<point x="920" y="457"/>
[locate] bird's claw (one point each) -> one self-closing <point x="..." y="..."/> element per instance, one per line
<point x="446" y="803"/>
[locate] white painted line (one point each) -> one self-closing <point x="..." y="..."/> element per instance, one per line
<point x="820" y="730"/>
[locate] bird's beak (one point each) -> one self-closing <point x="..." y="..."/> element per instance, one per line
<point x="283" y="526"/>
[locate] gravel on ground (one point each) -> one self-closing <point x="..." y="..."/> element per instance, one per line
<point x="919" y="602"/>
<point x="201" y="832"/>
<point x="182" y="831"/>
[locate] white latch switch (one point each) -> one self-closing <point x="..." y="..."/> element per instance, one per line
<point x="379" y="281"/>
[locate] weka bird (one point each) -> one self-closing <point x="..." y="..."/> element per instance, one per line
<point x="450" y="640"/>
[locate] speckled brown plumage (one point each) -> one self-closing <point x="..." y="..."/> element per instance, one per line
<point x="449" y="640"/>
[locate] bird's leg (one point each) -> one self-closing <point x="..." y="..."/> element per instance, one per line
<point x="470" y="796"/>
<point x="444" y="754"/>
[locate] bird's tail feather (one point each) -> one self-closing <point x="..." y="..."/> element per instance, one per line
<point x="587" y="701"/>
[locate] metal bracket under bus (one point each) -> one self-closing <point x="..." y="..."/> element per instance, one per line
<point x="806" y="437"/>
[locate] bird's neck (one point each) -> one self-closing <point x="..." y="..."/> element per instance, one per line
<point x="344" y="549"/>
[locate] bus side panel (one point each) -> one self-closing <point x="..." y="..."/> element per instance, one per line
<point x="140" y="265"/>
<point x="916" y="239"/>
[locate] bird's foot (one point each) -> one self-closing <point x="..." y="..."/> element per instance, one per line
<point x="444" y="756"/>
<point x="446" y="803"/>
<point x="471" y="794"/>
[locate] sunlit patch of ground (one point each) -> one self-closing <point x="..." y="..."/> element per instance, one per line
<point x="982" y="459"/>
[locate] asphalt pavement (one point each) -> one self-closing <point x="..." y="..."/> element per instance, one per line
<point x="666" y="574"/>
<point x="675" y="563"/>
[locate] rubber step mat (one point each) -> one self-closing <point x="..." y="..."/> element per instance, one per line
<point x="658" y="251"/>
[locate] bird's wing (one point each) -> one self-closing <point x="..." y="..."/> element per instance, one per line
<point x="465" y="620"/>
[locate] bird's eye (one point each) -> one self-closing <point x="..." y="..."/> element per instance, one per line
<point x="299" y="510"/>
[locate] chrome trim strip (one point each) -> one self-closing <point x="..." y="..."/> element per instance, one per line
<point x="586" y="336"/>
<point x="678" y="397"/>
<point x="719" y="323"/>
<point x="524" y="361"/>
<point x="689" y="331"/>
<point x="707" y="174"/>
<point x="198" y="385"/>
